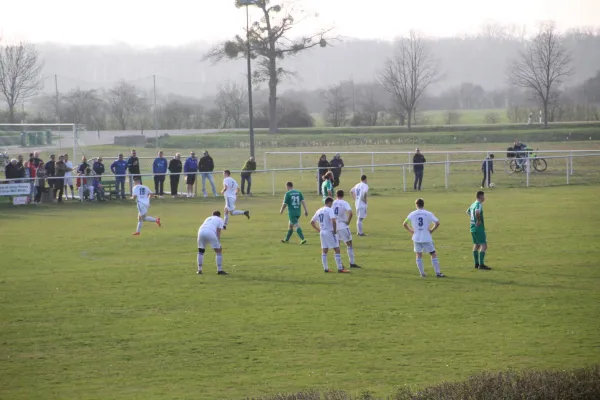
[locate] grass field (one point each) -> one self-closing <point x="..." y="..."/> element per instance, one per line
<point x="87" y="311"/>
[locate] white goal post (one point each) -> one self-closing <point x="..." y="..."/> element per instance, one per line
<point x="24" y="127"/>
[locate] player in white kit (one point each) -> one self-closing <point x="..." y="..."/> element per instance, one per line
<point x="359" y="194"/>
<point x="343" y="212"/>
<point x="419" y="224"/>
<point x="69" y="178"/>
<point x="230" y="191"/>
<point x="142" y="195"/>
<point x="324" y="222"/>
<point x="209" y="234"/>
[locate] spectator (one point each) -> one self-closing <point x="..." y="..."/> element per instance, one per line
<point x="133" y="165"/>
<point x="323" y="168"/>
<point x="11" y="171"/>
<point x="40" y="181"/>
<point x="85" y="181"/>
<point x="119" y="169"/>
<point x="83" y="166"/>
<point x="247" y="169"/>
<point x="50" y="173"/>
<point x="98" y="188"/>
<point x="206" y="165"/>
<point x="27" y="171"/>
<point x="190" y="168"/>
<point x="32" y="169"/>
<point x="175" y="168"/>
<point x="159" y="169"/>
<point x="336" y="166"/>
<point x="60" y="169"/>
<point x="36" y="158"/>
<point x="20" y="168"/>
<point x="98" y="168"/>
<point x="69" y="177"/>
<point x="488" y="169"/>
<point x="418" y="167"/>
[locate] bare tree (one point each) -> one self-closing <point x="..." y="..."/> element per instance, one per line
<point x="542" y="66"/>
<point x="336" y="102"/>
<point x="80" y="105"/>
<point x="409" y="73"/>
<point x="20" y="74"/>
<point x="125" y="101"/>
<point x="270" y="42"/>
<point x="233" y="102"/>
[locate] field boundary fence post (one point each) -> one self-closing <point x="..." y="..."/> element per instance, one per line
<point x="265" y="161"/>
<point x="571" y="162"/>
<point x="361" y="172"/>
<point x="301" y="164"/>
<point x="446" y="174"/>
<point x="409" y="162"/>
<point x="196" y="185"/>
<point x="404" y="177"/>
<point x="568" y="160"/>
<point x="372" y="163"/>
<point x="527" y="168"/>
<point x="273" y="181"/>
<point x="130" y="184"/>
<point x="447" y="165"/>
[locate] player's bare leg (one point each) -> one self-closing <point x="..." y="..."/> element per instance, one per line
<point x="351" y="254"/>
<point x="436" y="265"/>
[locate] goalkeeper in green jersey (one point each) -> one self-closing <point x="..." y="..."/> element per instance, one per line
<point x="292" y="201"/>
<point x="475" y="213"/>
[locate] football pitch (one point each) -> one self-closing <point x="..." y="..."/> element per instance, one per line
<point x="88" y="311"/>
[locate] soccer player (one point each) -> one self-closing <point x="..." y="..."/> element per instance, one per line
<point x="324" y="222"/>
<point x="359" y="193"/>
<point x="142" y="194"/>
<point x="419" y="224"/>
<point x="292" y="200"/>
<point x="343" y="212"/>
<point x="327" y="185"/>
<point x="230" y="191"/>
<point x="210" y="234"/>
<point x="69" y="178"/>
<point x="475" y="213"/>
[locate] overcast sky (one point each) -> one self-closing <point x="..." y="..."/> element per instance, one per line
<point x="151" y="23"/>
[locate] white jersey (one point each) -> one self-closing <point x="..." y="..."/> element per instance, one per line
<point x="142" y="194"/>
<point x="232" y="186"/>
<point x="421" y="220"/>
<point x="211" y="224"/>
<point x="69" y="165"/>
<point x="324" y="217"/>
<point x="360" y="191"/>
<point x="340" y="210"/>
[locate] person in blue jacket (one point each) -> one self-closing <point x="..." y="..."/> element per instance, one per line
<point x="159" y="169"/>
<point x="190" y="168"/>
<point x="119" y="167"/>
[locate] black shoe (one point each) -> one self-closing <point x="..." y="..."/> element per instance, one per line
<point x="484" y="267"/>
<point x="247" y="214"/>
<point x="224" y="227"/>
<point x="354" y="266"/>
<point x="476" y="266"/>
<point x="440" y="275"/>
<point x="222" y="273"/>
<point x="199" y="272"/>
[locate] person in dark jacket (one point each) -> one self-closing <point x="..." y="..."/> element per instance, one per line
<point x="190" y="168"/>
<point x="418" y="167"/>
<point x="133" y="166"/>
<point x="159" y="168"/>
<point x="50" y="172"/>
<point x="323" y="169"/>
<point x="336" y="166"/>
<point x="487" y="167"/>
<point x="175" y="168"/>
<point x="206" y="165"/>
<point x="20" y="167"/>
<point x="98" y="168"/>
<point x="119" y="168"/>
<point x="247" y="169"/>
<point x="60" y="169"/>
<point x="11" y="171"/>
<point x="83" y="166"/>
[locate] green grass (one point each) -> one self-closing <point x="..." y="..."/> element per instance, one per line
<point x="87" y="311"/>
<point x="467" y="117"/>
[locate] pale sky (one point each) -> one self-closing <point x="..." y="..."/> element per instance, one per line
<point x="151" y="23"/>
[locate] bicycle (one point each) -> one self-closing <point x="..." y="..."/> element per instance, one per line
<point x="517" y="164"/>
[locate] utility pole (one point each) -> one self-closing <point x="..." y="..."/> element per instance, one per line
<point x="155" y="128"/>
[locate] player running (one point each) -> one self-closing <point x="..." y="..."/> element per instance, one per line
<point x="359" y="193"/>
<point x="475" y="213"/>
<point x="324" y="222"/>
<point x="210" y="234"/>
<point x="292" y="200"/>
<point x="343" y="212"/>
<point x="230" y="191"/>
<point x="418" y="223"/>
<point x="142" y="194"/>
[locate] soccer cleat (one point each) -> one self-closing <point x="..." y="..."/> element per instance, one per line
<point x="362" y="234"/>
<point x="284" y="241"/>
<point x="224" y="227"/>
<point x="343" y="271"/>
<point x="303" y="241"/>
<point x="222" y="273"/>
<point x="440" y="275"/>
<point x="326" y="271"/>
<point x="158" y="222"/>
<point x="199" y="272"/>
<point x="484" y="267"/>
<point x="476" y="266"/>
<point x="355" y="266"/>
<point x="423" y="276"/>
<point x="247" y="214"/>
<point x="135" y="234"/>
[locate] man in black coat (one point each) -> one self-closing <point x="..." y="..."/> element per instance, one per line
<point x="51" y="172"/>
<point x="418" y="167"/>
<point x="323" y="168"/>
<point x="133" y="166"/>
<point x="336" y="166"/>
<point x="206" y="166"/>
<point x="175" y="168"/>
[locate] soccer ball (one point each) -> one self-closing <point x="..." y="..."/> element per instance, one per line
<point x="492" y="185"/>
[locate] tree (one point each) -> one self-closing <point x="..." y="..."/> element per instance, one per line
<point x="125" y="101"/>
<point x="20" y="74"/>
<point x="233" y="102"/>
<point x="80" y="105"/>
<point x="409" y="73"/>
<point x="269" y="43"/>
<point x="174" y="115"/>
<point x="542" y="66"/>
<point x="336" y="102"/>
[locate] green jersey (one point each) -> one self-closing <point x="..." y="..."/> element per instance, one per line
<point x="326" y="187"/>
<point x="293" y="199"/>
<point x="472" y="210"/>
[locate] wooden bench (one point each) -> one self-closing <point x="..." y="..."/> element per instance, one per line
<point x="110" y="189"/>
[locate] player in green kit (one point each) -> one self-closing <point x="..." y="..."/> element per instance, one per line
<point x="292" y="200"/>
<point x="327" y="186"/>
<point x="475" y="213"/>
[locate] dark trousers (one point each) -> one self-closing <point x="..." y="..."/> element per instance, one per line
<point x="246" y="178"/>
<point x="120" y="187"/>
<point x="486" y="177"/>
<point x="174" y="184"/>
<point x="38" y="193"/>
<point x="159" y="184"/>
<point x="418" y="179"/>
<point x="59" y="186"/>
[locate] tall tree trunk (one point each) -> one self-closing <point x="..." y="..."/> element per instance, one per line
<point x="272" y="96"/>
<point x="11" y="113"/>
<point x="545" y="113"/>
<point x="409" y="119"/>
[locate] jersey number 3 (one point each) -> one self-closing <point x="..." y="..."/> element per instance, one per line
<point x="420" y="221"/>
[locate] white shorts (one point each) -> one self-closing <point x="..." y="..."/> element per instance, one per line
<point x="424" y="247"/>
<point x="230" y="203"/>
<point x="208" y="238"/>
<point x="344" y="235"/>
<point x="68" y="181"/>
<point x="142" y="208"/>
<point x="361" y="212"/>
<point x="329" y="240"/>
